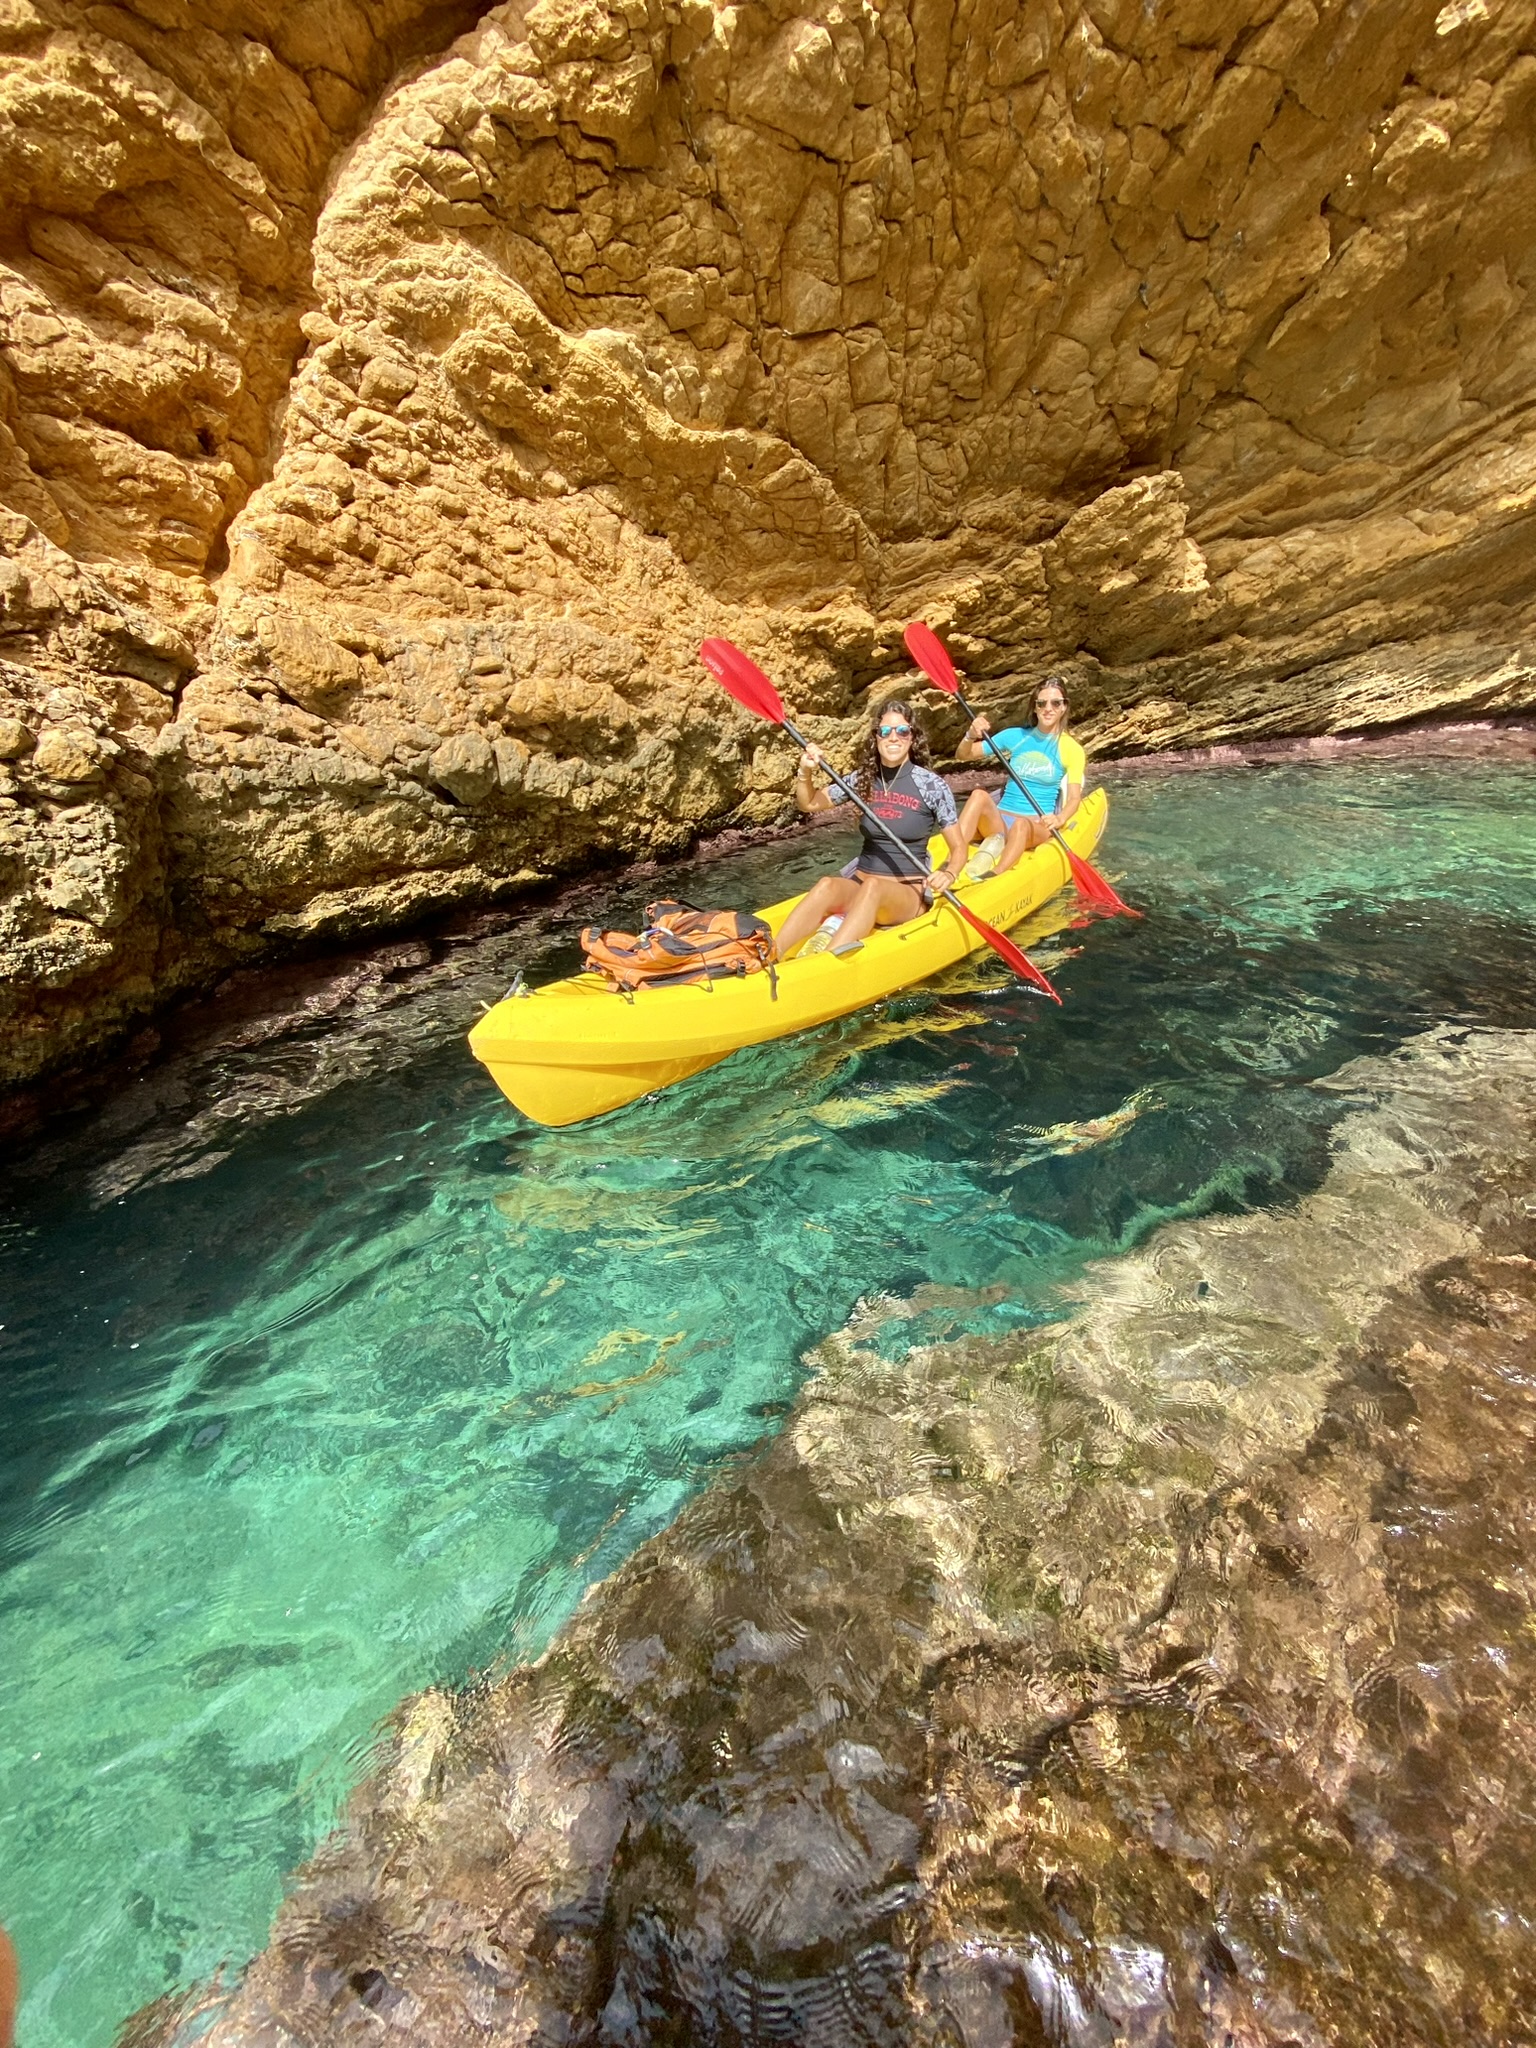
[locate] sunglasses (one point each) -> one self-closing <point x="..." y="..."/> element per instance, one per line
<point x="1049" y="703"/>
<point x="895" y="732"/>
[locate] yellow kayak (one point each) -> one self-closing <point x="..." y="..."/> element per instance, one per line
<point x="577" y="1048"/>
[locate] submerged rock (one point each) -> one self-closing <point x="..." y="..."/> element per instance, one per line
<point x="1158" y="1676"/>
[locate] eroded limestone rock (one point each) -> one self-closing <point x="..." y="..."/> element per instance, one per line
<point x="451" y="405"/>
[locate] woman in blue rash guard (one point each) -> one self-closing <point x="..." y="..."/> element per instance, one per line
<point x="887" y="886"/>
<point x="1043" y="759"/>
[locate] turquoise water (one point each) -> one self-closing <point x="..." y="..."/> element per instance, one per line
<point x="304" y="1410"/>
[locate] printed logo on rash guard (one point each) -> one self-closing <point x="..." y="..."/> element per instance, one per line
<point x="890" y="803"/>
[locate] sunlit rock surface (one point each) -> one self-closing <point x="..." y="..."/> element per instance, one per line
<point x="384" y="418"/>
<point x="1158" y="1677"/>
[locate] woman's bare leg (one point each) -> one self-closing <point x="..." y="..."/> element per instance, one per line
<point x="1024" y="835"/>
<point x="980" y="818"/>
<point x="823" y="899"/>
<point x="878" y="902"/>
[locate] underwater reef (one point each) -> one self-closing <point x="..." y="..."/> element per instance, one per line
<point x="1156" y="1676"/>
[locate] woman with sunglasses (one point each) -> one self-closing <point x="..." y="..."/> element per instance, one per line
<point x="1043" y="759"/>
<point x="886" y="886"/>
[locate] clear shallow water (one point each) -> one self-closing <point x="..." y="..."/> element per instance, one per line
<point x="370" y="1400"/>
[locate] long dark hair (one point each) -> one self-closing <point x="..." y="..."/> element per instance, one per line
<point x="870" y="764"/>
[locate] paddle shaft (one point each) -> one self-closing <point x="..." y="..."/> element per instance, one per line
<point x="879" y="823"/>
<point x="928" y="652"/>
<point x="1005" y="948"/>
<point x="741" y="677"/>
<point x="1006" y="765"/>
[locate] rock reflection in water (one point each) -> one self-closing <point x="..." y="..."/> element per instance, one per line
<point x="1159" y="1677"/>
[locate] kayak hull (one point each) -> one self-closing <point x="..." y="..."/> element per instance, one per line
<point x="576" y="1049"/>
<point x="558" y="1094"/>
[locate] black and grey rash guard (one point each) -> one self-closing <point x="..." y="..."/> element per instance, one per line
<point x="914" y="803"/>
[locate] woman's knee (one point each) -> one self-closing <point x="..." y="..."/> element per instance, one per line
<point x="862" y="911"/>
<point x="978" y="815"/>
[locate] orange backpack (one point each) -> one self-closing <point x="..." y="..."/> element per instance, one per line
<point x="681" y="944"/>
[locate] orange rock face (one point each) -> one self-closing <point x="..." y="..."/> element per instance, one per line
<point x="385" y="418"/>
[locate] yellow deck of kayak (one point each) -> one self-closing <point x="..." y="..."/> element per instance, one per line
<point x="576" y="1048"/>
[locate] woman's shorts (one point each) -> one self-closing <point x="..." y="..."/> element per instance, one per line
<point x="851" y="873"/>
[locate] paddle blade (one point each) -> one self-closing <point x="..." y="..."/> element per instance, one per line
<point x="927" y="650"/>
<point x="1004" y="948"/>
<point x="741" y="676"/>
<point x="1092" y="887"/>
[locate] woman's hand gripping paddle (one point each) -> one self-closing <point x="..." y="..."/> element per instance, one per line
<point x="928" y="651"/>
<point x="744" y="680"/>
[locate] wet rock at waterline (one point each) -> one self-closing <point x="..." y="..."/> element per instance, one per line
<point x="386" y="417"/>
<point x="1155" y="1677"/>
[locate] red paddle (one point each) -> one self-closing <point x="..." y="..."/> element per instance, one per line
<point x="740" y="675"/>
<point x="928" y="651"/>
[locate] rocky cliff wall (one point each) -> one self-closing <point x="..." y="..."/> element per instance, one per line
<point x="385" y="417"/>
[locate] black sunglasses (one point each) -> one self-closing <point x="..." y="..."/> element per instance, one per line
<point x="899" y="732"/>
